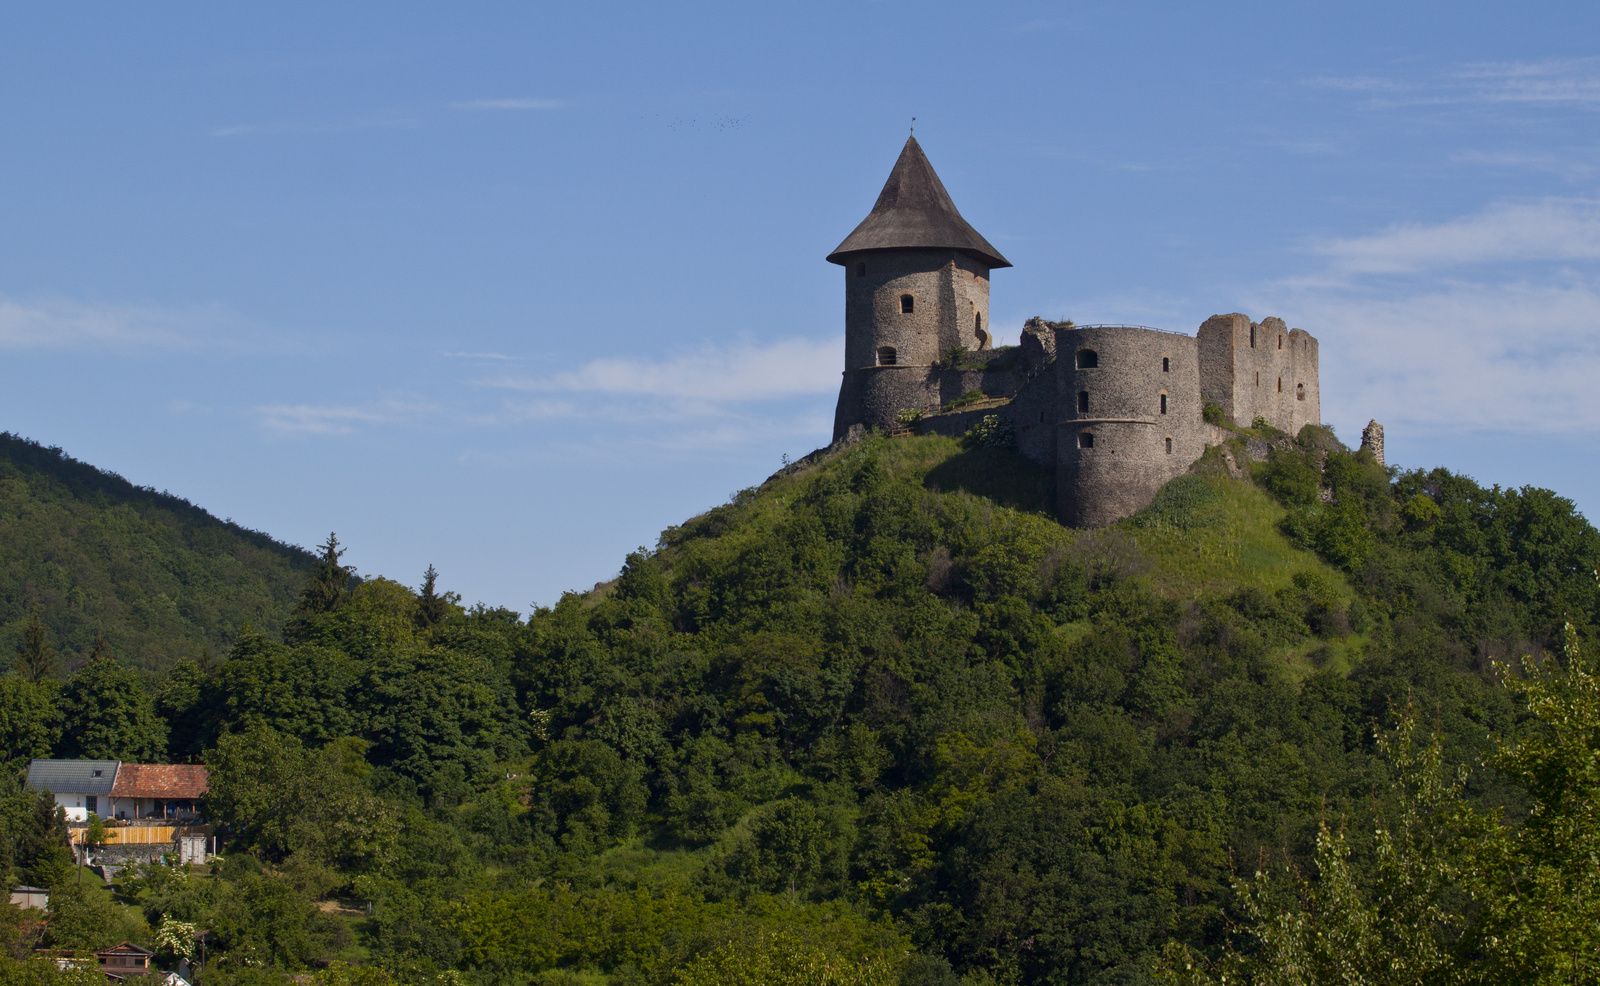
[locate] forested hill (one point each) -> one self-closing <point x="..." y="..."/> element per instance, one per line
<point x="883" y="722"/>
<point x="158" y="576"/>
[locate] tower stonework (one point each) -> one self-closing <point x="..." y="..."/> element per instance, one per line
<point x="916" y="280"/>
<point x="1132" y="418"/>
<point x="1115" y="411"/>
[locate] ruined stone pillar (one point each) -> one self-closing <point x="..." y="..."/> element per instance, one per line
<point x="1372" y="438"/>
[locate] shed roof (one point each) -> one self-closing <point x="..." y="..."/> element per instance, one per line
<point x="160" y="780"/>
<point x="914" y="210"/>
<point x="72" y="776"/>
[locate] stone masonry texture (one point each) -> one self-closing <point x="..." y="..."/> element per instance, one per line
<point x="1114" y="411"/>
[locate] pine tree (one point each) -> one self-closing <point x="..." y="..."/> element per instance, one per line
<point x="36" y="659"/>
<point x="100" y="649"/>
<point x="329" y="584"/>
<point x="433" y="607"/>
<point x="41" y="851"/>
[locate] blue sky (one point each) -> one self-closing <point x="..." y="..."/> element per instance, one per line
<point x="508" y="288"/>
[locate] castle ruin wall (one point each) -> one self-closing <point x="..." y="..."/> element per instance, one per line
<point x="1261" y="370"/>
<point x="1034" y="413"/>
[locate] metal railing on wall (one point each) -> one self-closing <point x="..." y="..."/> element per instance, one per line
<point x="1117" y="325"/>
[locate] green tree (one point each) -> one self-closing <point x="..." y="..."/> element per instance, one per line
<point x="329" y="583"/>
<point x="1451" y="894"/>
<point x="43" y="972"/>
<point x="794" y="848"/>
<point x="432" y="606"/>
<point x="180" y="702"/>
<point x="1538" y="885"/>
<point x="106" y="714"/>
<point x="36" y="659"/>
<point x="85" y="916"/>
<point x="40" y="850"/>
<point x="783" y="958"/>
<point x="263" y="921"/>
<point x="95" y="835"/>
<point x="27" y="719"/>
<point x="282" y="799"/>
<point x="304" y="691"/>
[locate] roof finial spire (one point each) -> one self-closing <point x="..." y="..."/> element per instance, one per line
<point x="913" y="124"/>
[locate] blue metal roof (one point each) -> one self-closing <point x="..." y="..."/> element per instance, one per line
<point x="73" y="776"/>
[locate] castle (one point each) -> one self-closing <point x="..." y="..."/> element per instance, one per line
<point x="1115" y="410"/>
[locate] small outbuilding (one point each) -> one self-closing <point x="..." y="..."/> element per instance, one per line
<point x="126" y="959"/>
<point x="30" y="897"/>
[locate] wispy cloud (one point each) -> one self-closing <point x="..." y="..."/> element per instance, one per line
<point x="1551" y="82"/>
<point x="744" y="372"/>
<point x="1408" y="339"/>
<point x="1570" y="80"/>
<point x="1357" y="83"/>
<point x="509" y="104"/>
<point x="62" y="324"/>
<point x="1575" y="167"/>
<point x="1547" y="230"/>
<point x="339" y="419"/>
<point x="496" y="357"/>
<point x="1513" y="357"/>
<point x="712" y="401"/>
<point x="392" y="120"/>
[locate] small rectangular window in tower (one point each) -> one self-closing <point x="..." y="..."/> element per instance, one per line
<point x="1258" y="378"/>
<point x="1299" y="391"/>
<point x="1083" y="401"/>
<point x="1166" y="364"/>
<point x="1169" y="444"/>
<point x="886" y="356"/>
<point x="1163" y="403"/>
<point x="1086" y="439"/>
<point x="861" y="269"/>
<point x="1088" y="359"/>
<point x="906" y="304"/>
<point x="1280" y="342"/>
<point x="1252" y="337"/>
<point x="1280" y="385"/>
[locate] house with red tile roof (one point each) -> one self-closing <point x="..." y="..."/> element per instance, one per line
<point x="163" y="791"/>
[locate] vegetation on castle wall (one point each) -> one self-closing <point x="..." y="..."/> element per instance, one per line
<point x="883" y="718"/>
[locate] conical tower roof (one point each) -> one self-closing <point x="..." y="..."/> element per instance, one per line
<point x="914" y="210"/>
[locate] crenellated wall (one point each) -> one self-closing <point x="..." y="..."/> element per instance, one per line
<point x="1260" y="370"/>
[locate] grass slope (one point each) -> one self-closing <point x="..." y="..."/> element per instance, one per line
<point x="159" y="576"/>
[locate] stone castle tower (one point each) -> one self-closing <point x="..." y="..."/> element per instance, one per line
<point x="1114" y="410"/>
<point x="916" y="285"/>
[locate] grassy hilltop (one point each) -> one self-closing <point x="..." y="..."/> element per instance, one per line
<point x="880" y="720"/>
